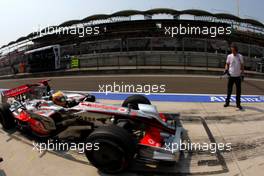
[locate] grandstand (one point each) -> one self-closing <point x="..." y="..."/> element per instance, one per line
<point x="133" y="38"/>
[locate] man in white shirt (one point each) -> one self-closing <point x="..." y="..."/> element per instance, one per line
<point x="235" y="69"/>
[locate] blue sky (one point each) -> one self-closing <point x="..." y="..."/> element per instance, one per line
<point x="21" y="17"/>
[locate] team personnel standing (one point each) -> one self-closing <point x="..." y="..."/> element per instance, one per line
<point x="235" y="69"/>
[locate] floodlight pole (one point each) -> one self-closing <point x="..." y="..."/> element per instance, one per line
<point x="238" y="11"/>
<point x="238" y="8"/>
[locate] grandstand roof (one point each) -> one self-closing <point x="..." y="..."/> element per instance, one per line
<point x="21" y="39"/>
<point x="196" y="12"/>
<point x="127" y="13"/>
<point x="69" y="23"/>
<point x="228" y="16"/>
<point x="95" y="17"/>
<point x="161" y="11"/>
<point x="253" y="22"/>
<point x="11" y="43"/>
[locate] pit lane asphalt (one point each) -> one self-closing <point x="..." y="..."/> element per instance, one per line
<point x="194" y="84"/>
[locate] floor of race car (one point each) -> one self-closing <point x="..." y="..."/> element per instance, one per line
<point x="204" y="122"/>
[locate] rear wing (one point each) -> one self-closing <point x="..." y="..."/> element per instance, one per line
<point x="16" y="91"/>
<point x="21" y="90"/>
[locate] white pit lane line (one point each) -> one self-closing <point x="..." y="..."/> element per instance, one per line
<point x="171" y="97"/>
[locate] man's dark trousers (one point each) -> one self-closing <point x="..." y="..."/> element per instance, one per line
<point x="231" y="81"/>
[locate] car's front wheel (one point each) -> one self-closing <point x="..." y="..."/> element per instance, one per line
<point x="134" y="100"/>
<point x="90" y="98"/>
<point x="115" y="149"/>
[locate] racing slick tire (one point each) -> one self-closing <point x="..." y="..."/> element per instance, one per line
<point x="116" y="149"/>
<point x="6" y="118"/>
<point x="90" y="98"/>
<point x="134" y="100"/>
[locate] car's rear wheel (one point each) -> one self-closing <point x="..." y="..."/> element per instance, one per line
<point x="116" y="148"/>
<point x="6" y="117"/>
<point x="134" y="100"/>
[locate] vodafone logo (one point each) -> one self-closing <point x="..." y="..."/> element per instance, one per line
<point x="15" y="91"/>
<point x="105" y="107"/>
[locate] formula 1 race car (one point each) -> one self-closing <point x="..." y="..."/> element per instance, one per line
<point x="42" y="90"/>
<point x="133" y="131"/>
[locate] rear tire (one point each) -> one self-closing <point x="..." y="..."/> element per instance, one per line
<point x="134" y="100"/>
<point x="116" y="149"/>
<point x="6" y="117"/>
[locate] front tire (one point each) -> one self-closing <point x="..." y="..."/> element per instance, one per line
<point x="90" y="98"/>
<point x="134" y="100"/>
<point x="6" y="117"/>
<point x="116" y="148"/>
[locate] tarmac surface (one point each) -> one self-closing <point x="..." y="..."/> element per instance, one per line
<point x="173" y="83"/>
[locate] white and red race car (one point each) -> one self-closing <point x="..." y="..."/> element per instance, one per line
<point x="133" y="131"/>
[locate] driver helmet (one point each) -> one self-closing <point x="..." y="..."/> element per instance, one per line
<point x="59" y="98"/>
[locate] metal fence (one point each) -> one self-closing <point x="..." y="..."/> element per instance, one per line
<point x="156" y="51"/>
<point x="144" y="58"/>
<point x="161" y="44"/>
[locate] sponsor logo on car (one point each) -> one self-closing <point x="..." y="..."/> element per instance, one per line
<point x="105" y="107"/>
